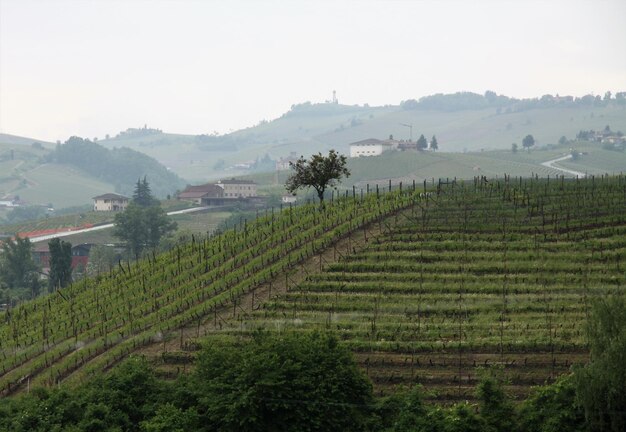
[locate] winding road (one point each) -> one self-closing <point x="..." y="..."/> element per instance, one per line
<point x="550" y="164"/>
<point x="105" y="226"/>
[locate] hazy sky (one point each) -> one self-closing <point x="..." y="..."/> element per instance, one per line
<point x="90" y="68"/>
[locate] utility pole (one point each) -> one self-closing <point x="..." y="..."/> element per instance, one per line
<point x="410" y="126"/>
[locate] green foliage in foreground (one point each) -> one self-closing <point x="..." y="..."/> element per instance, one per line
<point x="287" y="382"/>
<point x="309" y="382"/>
<point x="601" y="385"/>
<point x="295" y="382"/>
<point x="304" y="383"/>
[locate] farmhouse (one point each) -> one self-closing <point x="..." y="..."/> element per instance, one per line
<point x="80" y="255"/>
<point x="220" y="193"/>
<point x="110" y="202"/>
<point x="376" y="147"/>
<point x="238" y="188"/>
<point x="202" y="194"/>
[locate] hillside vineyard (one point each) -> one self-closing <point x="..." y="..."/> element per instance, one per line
<point x="91" y="325"/>
<point x="486" y="273"/>
<point x="472" y="274"/>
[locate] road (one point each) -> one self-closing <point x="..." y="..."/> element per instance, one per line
<point x="105" y="226"/>
<point x="550" y="164"/>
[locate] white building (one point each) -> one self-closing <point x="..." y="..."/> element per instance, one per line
<point x="370" y="147"/>
<point x="110" y="202"/>
<point x="282" y="164"/>
<point x="238" y="188"/>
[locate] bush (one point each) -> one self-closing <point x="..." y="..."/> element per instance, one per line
<point x="292" y="382"/>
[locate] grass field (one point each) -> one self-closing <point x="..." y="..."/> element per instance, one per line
<point x="39" y="183"/>
<point x="598" y="161"/>
<point x="200" y="223"/>
<point x="61" y="185"/>
<point x="412" y="166"/>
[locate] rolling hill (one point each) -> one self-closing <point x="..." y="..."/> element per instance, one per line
<point x="422" y="287"/>
<point x="459" y="125"/>
<point x="69" y="177"/>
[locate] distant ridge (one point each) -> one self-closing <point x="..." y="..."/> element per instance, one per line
<point x="19" y="140"/>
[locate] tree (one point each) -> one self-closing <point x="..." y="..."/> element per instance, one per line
<point x="528" y="142"/>
<point x="101" y="259"/>
<point x="18" y="271"/>
<point x="320" y="173"/>
<point x="422" y="144"/>
<point x="600" y="384"/>
<point x="143" y="195"/>
<point x="553" y="408"/>
<point x="495" y="407"/>
<point x="60" y="274"/>
<point x="158" y="224"/>
<point x="144" y="222"/>
<point x="514" y="147"/>
<point x="300" y="382"/>
<point x="24" y="213"/>
<point x="434" y="145"/>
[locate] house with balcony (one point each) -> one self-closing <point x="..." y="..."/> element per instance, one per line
<point x="110" y="202"/>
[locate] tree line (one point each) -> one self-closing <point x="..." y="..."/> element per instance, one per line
<point x="469" y="101"/>
<point x="21" y="277"/>
<point x="119" y="166"/>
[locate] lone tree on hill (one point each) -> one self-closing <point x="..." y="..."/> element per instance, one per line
<point x="60" y="264"/>
<point x="320" y="173"/>
<point x="434" y="145"/>
<point x="422" y="144"/>
<point x="528" y="142"/>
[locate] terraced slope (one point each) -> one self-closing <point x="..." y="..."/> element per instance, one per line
<point x="471" y="275"/>
<point x="488" y="273"/>
<point x="91" y="325"/>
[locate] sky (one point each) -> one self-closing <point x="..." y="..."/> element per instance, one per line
<point x="91" y="68"/>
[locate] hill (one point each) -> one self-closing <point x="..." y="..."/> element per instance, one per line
<point x="72" y="173"/>
<point x="24" y="173"/>
<point x="15" y="140"/>
<point x="409" y="166"/>
<point x="423" y="288"/>
<point x="462" y="122"/>
<point x="121" y="166"/>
